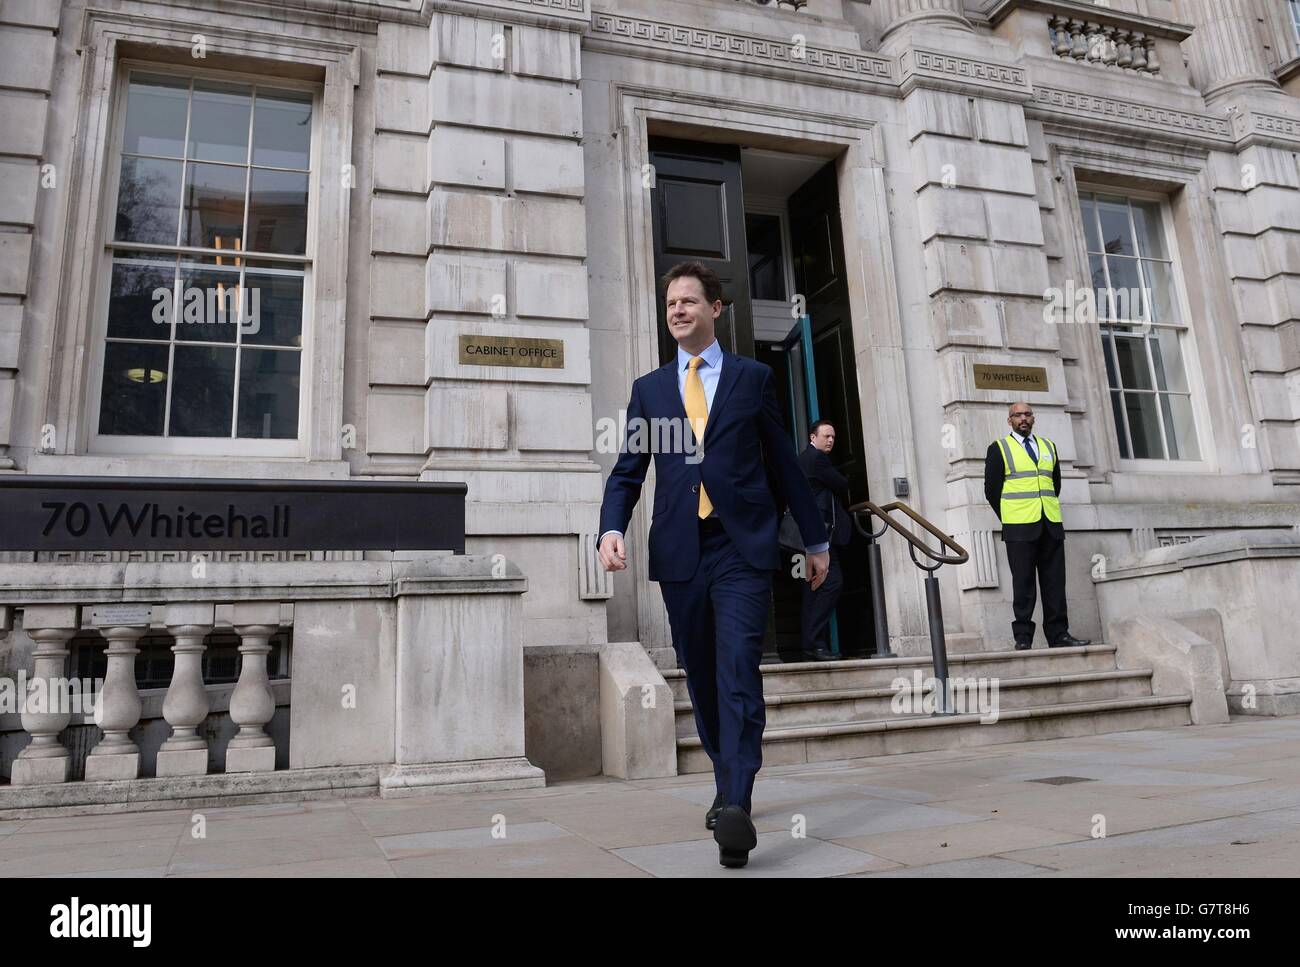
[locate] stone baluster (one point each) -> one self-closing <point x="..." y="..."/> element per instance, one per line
<point x="1108" y="45"/>
<point x="44" y="716"/>
<point x="186" y="706"/>
<point x="118" y="710"/>
<point x="1079" y="40"/>
<point x="1060" y="35"/>
<point x="1096" y="41"/>
<point x="252" y="703"/>
<point x="1153" y="62"/>
<point x="1139" y="51"/>
<point x="1123" y="49"/>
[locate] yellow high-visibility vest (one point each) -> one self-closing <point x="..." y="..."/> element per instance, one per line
<point x="1027" y="491"/>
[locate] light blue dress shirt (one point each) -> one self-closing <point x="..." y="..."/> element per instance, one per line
<point x="710" y="372"/>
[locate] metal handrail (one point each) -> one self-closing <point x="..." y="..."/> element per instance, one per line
<point x="960" y="557"/>
<point x="933" y="600"/>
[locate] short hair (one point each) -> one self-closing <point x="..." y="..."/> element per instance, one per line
<point x="816" y="425"/>
<point x="1013" y="405"/>
<point x="707" y="278"/>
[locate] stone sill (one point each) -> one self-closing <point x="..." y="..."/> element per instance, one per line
<point x="1082" y="10"/>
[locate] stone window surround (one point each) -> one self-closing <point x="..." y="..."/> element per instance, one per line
<point x="107" y="40"/>
<point x="1115" y="171"/>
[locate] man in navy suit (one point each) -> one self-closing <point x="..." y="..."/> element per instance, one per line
<point x="830" y="489"/>
<point x="719" y="486"/>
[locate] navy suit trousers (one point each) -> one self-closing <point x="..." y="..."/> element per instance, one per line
<point x="717" y="619"/>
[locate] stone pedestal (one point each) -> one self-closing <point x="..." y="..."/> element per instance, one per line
<point x="460" y="678"/>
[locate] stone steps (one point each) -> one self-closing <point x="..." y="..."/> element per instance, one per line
<point x="851" y="740"/>
<point x="818" y="711"/>
<point x="794" y="677"/>
<point x="865" y="704"/>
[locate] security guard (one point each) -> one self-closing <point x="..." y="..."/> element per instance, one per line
<point x="1022" y="483"/>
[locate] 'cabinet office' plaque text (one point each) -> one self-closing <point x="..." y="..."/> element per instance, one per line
<point x="511" y="351"/>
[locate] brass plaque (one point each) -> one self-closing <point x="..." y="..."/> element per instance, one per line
<point x="511" y="351"/>
<point x="1032" y="379"/>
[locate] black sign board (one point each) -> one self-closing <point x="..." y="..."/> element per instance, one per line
<point x="139" y="513"/>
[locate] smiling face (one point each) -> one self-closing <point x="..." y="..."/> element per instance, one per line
<point x="690" y="314"/>
<point x="1021" y="418"/>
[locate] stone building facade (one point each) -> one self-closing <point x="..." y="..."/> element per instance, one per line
<point x="434" y="172"/>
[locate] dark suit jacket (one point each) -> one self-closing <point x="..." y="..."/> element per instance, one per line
<point x="749" y="469"/>
<point x="994" y="475"/>
<point x="830" y="488"/>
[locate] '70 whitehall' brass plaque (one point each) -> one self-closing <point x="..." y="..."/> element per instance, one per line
<point x="511" y="351"/>
<point x="1030" y="378"/>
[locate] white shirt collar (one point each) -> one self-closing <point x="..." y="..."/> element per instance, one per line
<point x="712" y="356"/>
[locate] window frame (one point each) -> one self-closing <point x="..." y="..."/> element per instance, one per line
<point x="1186" y="331"/>
<point x="117" y="444"/>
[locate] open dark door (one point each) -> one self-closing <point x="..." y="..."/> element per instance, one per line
<point x="817" y="245"/>
<point x="698" y="214"/>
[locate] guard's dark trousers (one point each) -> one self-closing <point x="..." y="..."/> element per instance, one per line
<point x="717" y="619"/>
<point x="819" y="605"/>
<point x="1044" y="557"/>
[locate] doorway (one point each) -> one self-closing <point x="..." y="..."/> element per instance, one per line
<point x="768" y="223"/>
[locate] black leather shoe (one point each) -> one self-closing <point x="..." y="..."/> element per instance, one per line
<point x="1069" y="641"/>
<point x="819" y="654"/>
<point x="711" y="817"/>
<point x="735" y="836"/>
<point x="1024" y="645"/>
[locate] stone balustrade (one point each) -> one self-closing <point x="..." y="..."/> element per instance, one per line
<point x="1092" y="42"/>
<point x="792" y="5"/>
<point x="405" y="677"/>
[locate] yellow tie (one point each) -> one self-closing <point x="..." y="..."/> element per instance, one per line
<point x="697" y="411"/>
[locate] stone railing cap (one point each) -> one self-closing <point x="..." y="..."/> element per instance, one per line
<point x="1214" y="548"/>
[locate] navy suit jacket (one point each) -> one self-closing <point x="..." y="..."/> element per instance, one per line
<point x="749" y="469"/>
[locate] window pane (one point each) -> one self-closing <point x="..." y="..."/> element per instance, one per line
<point x="1096" y="265"/>
<point x="214" y="206"/>
<point x="1115" y="407"/>
<point x="282" y="129"/>
<point x="1116" y="233"/>
<point x="1150" y="230"/>
<point x="276" y="300"/>
<point x="1143" y="425"/>
<point x="209" y="309"/>
<point x="203" y="391"/>
<point x="1090" y="224"/>
<point x="1166" y="354"/>
<point x="1160" y="285"/>
<point x="268" y="393"/>
<point x="219" y="122"/>
<point x="1180" y="427"/>
<point x="1126" y="288"/>
<point x="139" y="297"/>
<point x="1133" y="368"/>
<point x="277" y="217"/>
<point x="155" y="115"/>
<point x="134" y="393"/>
<point x="148" y="201"/>
<point x="1108" y="351"/>
<point x="766" y="265"/>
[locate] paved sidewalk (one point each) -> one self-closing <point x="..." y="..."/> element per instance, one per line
<point x="1218" y="800"/>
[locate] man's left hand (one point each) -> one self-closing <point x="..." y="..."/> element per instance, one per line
<point x="819" y="565"/>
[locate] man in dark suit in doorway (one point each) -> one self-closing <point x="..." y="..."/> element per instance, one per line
<point x="830" y="489"/>
<point x="713" y="533"/>
<point x="1022" y="483"/>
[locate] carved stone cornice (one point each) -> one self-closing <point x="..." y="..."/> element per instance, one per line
<point x="923" y="67"/>
<point x="741" y="48"/>
<point x="1153" y="118"/>
<point x="575" y="10"/>
<point x="1253" y="127"/>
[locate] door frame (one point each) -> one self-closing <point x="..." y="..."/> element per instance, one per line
<point x="857" y="145"/>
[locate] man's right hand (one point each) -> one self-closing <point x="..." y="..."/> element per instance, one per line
<point x="612" y="553"/>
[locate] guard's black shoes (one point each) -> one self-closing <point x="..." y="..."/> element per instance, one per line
<point x="735" y="837"/>
<point x="711" y="817"/>
<point x="1069" y="641"/>
<point x="1024" y="645"/>
<point x="818" y="654"/>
